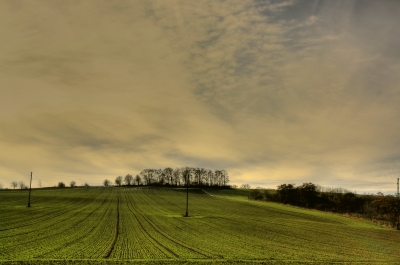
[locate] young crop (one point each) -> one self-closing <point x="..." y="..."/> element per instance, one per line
<point x="126" y="224"/>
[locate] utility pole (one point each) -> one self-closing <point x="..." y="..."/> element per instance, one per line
<point x="30" y="188"/>
<point x="398" y="220"/>
<point x="187" y="194"/>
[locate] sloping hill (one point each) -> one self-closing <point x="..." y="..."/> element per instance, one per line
<point x="108" y="225"/>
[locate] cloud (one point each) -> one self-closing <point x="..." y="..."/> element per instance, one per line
<point x="269" y="90"/>
<point x="302" y="83"/>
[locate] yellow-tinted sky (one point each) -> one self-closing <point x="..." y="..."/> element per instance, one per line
<point x="271" y="91"/>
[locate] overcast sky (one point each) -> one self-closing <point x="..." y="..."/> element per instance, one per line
<point x="271" y="91"/>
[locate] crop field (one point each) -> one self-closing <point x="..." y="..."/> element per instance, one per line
<point x="118" y="225"/>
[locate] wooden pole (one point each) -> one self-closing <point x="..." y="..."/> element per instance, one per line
<point x="398" y="217"/>
<point x="30" y="188"/>
<point x="187" y="195"/>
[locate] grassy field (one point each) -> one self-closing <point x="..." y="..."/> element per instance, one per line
<point x="145" y="225"/>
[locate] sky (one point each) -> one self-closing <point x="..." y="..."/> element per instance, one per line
<point x="274" y="92"/>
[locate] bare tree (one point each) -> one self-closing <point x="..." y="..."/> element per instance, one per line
<point x="61" y="185"/>
<point x="21" y="185"/>
<point x="138" y="180"/>
<point x="40" y="183"/>
<point x="14" y="184"/>
<point x="245" y="186"/>
<point x="217" y="177"/>
<point x="203" y="176"/>
<point x="168" y="175"/>
<point x="177" y="176"/>
<point x="118" y="181"/>
<point x="106" y="183"/>
<point x="187" y="174"/>
<point x="197" y="175"/>
<point x="147" y="176"/>
<point x="72" y="184"/>
<point x="210" y="177"/>
<point x="225" y="177"/>
<point x="128" y="179"/>
<point x="159" y="176"/>
<point x="1" y="186"/>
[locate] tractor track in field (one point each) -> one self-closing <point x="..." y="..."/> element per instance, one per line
<point x="56" y="214"/>
<point x="154" y="241"/>
<point x="110" y="250"/>
<point x="281" y="233"/>
<point x="175" y="241"/>
<point x="59" y="233"/>
<point x="165" y="235"/>
<point x="76" y="239"/>
<point x="46" y="228"/>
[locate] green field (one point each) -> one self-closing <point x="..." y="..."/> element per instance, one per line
<point x="145" y="225"/>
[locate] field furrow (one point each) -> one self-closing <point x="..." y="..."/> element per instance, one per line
<point x="141" y="224"/>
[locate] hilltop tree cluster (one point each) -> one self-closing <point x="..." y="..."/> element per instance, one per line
<point x="167" y="176"/>
<point x="176" y="177"/>
<point x="19" y="184"/>
<point x="378" y="208"/>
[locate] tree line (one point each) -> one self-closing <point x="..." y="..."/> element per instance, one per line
<point x="19" y="184"/>
<point x="193" y="176"/>
<point x="72" y="184"/>
<point x="374" y="207"/>
<point x="176" y="177"/>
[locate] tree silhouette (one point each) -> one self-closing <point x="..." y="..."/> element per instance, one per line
<point x="168" y="175"/>
<point x="14" y="184"/>
<point x="138" y="180"/>
<point x="118" y="181"/>
<point x="245" y="186"/>
<point x="128" y="179"/>
<point x="287" y="193"/>
<point x="106" y="183"/>
<point x="72" y="184"/>
<point x="21" y="185"/>
<point x="308" y="194"/>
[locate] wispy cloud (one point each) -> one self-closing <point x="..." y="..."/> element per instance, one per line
<point x="269" y="90"/>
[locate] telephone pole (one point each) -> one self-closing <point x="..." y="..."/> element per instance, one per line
<point x="30" y="188"/>
<point x="187" y="195"/>
<point x="398" y="196"/>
